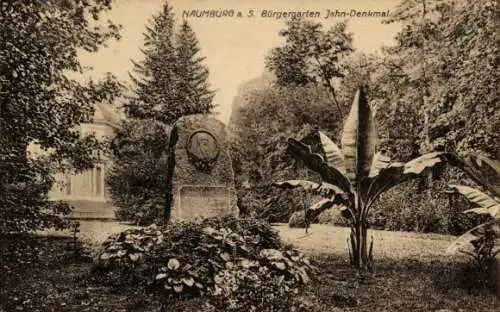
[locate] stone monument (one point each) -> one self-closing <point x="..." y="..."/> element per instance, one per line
<point x="201" y="178"/>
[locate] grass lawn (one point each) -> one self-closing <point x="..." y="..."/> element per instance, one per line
<point x="412" y="274"/>
<point x="325" y="239"/>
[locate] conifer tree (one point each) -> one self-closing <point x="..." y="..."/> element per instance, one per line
<point x="154" y="77"/>
<point x="171" y="81"/>
<point x="193" y="83"/>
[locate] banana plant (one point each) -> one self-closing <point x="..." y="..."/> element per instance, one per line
<point x="485" y="172"/>
<point x="355" y="175"/>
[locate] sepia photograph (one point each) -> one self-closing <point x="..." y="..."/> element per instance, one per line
<point x="249" y="155"/>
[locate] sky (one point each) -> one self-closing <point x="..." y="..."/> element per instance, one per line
<point x="234" y="47"/>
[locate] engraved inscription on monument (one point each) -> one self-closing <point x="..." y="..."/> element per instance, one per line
<point x="204" y="201"/>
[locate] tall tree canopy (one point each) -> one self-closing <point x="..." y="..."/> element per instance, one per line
<point x="300" y="101"/>
<point x="192" y="85"/>
<point x="444" y="69"/>
<point x="311" y="55"/>
<point x="171" y="81"/>
<point x="40" y="104"/>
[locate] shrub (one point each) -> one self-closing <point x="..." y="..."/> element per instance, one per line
<point x="482" y="254"/>
<point x="297" y="219"/>
<point x="237" y="263"/>
<point x="404" y="209"/>
<point x="138" y="180"/>
<point x="485" y="172"/>
<point x="23" y="197"/>
<point x="332" y="216"/>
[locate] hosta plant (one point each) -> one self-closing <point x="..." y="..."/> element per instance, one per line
<point x="355" y="175"/>
<point x="219" y="258"/>
<point x="484" y="238"/>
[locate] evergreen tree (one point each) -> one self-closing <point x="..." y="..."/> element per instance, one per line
<point x="193" y="75"/>
<point x="155" y="79"/>
<point x="170" y="82"/>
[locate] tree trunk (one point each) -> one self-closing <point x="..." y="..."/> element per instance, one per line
<point x="360" y="256"/>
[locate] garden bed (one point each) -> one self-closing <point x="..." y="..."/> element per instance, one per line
<point x="412" y="274"/>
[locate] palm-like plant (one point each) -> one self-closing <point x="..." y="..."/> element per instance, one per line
<point x="484" y="237"/>
<point x="355" y="175"/>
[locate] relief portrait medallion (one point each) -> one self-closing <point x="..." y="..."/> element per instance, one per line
<point x="203" y="149"/>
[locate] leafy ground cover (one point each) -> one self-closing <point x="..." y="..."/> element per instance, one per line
<point x="412" y="273"/>
<point x="235" y="264"/>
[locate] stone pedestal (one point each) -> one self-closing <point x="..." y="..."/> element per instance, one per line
<point x="200" y="169"/>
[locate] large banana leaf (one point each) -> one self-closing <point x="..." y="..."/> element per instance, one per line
<point x="291" y="184"/>
<point x="334" y="156"/>
<point x="482" y="170"/>
<point x="323" y="189"/>
<point x="419" y="164"/>
<point x="317" y="208"/>
<point x="396" y="173"/>
<point x="463" y="241"/>
<point x="359" y="139"/>
<point x="317" y="163"/>
<point x="322" y="205"/>
<point x="387" y="178"/>
<point x="487" y="204"/>
<point x="468" y="237"/>
<point x="380" y="161"/>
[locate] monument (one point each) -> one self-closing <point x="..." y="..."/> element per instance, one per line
<point x="201" y="178"/>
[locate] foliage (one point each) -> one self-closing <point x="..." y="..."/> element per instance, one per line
<point x="258" y="150"/>
<point x="138" y="179"/>
<point x="434" y="76"/>
<point x="34" y="279"/>
<point x="355" y="176"/>
<point x="41" y="106"/>
<point x="332" y="216"/>
<point x="304" y="218"/>
<point x="171" y="81"/>
<point x="405" y="208"/>
<point x="193" y="83"/>
<point x="484" y="237"/>
<point x="304" y="67"/>
<point x="483" y="253"/>
<point x="310" y="55"/>
<point x="230" y="260"/>
<point x="472" y="98"/>
<point x="298" y="219"/>
<point x="429" y="89"/>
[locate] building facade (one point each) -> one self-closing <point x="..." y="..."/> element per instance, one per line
<point x="87" y="191"/>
